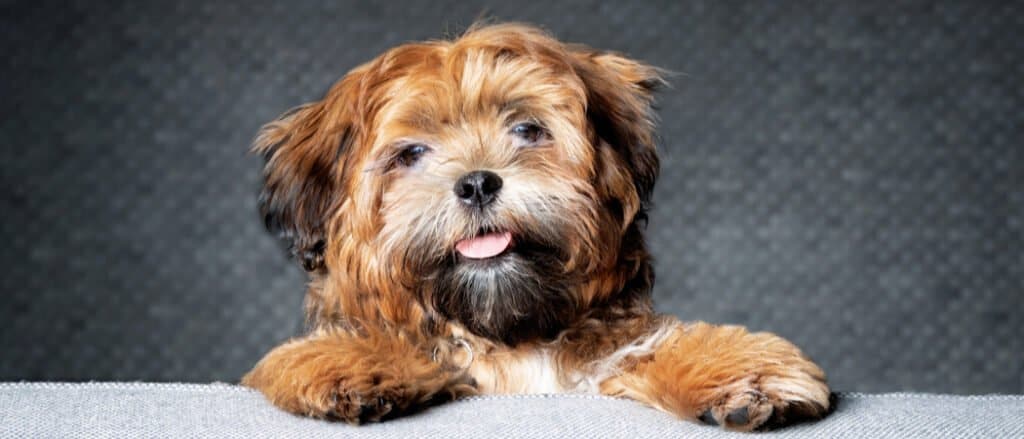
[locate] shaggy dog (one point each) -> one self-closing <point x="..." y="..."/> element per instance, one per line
<point x="471" y="214"/>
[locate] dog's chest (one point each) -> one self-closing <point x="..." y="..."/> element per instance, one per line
<point x="533" y="371"/>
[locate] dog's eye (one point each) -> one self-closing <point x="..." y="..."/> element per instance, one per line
<point x="411" y="154"/>
<point x="528" y="133"/>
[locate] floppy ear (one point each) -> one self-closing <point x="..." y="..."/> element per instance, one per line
<point x="619" y="97"/>
<point x="305" y="153"/>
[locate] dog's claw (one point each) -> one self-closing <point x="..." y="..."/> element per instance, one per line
<point x="707" y="418"/>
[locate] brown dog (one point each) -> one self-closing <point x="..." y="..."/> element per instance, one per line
<point x="470" y="213"/>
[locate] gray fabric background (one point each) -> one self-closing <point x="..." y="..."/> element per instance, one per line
<point x="847" y="174"/>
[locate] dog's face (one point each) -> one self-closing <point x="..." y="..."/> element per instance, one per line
<point x="491" y="179"/>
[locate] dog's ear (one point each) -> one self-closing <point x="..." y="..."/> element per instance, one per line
<point x="620" y="92"/>
<point x="305" y="151"/>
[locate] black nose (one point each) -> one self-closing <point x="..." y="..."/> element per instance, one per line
<point x="478" y="188"/>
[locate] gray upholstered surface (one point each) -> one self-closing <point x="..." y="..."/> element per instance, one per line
<point x="847" y="174"/>
<point x="119" y="410"/>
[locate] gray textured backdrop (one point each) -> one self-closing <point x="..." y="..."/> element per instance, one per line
<point x="848" y="175"/>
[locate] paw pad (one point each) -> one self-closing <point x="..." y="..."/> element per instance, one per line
<point x="743" y="411"/>
<point x="740" y="416"/>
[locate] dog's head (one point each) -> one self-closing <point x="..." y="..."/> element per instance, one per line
<point x="497" y="179"/>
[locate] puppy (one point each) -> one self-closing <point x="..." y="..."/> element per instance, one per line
<point x="471" y="214"/>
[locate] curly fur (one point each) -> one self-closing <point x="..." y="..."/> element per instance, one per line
<point x="567" y="308"/>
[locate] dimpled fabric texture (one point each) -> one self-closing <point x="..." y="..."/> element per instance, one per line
<point x="846" y="174"/>
<point x="118" y="410"/>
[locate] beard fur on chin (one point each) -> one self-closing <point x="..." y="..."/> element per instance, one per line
<point x="519" y="296"/>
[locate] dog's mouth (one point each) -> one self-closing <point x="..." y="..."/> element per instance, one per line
<point x="485" y="245"/>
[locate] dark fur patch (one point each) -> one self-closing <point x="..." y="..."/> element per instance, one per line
<point x="299" y="193"/>
<point x="517" y="297"/>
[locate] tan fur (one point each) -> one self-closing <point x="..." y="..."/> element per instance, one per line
<point x="370" y="232"/>
<point x="701" y="367"/>
<point x="354" y="376"/>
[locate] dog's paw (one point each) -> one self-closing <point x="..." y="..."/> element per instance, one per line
<point x="355" y="378"/>
<point x="375" y="397"/>
<point x="360" y="407"/>
<point x="727" y="376"/>
<point x="767" y="402"/>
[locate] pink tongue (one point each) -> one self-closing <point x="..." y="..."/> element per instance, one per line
<point x="484" y="246"/>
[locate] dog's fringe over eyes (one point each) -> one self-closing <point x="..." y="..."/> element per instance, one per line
<point x="471" y="213"/>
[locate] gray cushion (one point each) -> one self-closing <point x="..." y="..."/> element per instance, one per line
<point x="121" y="410"/>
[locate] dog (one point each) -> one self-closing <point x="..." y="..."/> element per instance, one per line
<point x="470" y="213"/>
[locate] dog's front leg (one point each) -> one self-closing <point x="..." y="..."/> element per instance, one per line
<point x="355" y="377"/>
<point x="726" y="376"/>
